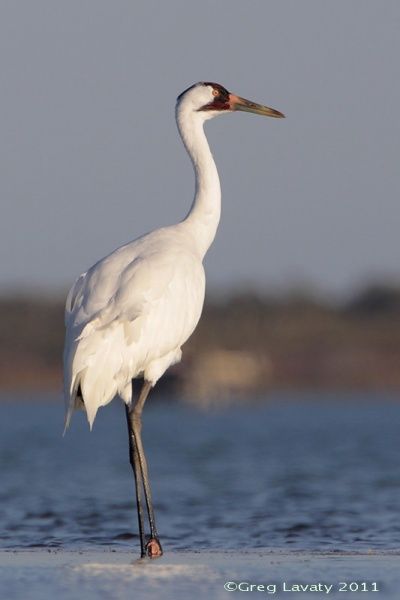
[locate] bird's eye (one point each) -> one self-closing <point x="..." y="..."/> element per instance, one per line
<point x="215" y="93"/>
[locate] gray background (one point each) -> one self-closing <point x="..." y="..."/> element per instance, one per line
<point x="90" y="157"/>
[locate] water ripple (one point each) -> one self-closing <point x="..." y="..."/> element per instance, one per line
<point x="305" y="475"/>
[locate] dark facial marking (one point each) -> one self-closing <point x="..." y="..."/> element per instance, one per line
<point x="217" y="86"/>
<point x="220" y="102"/>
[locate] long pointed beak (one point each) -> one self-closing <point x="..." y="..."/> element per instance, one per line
<point x="238" y="103"/>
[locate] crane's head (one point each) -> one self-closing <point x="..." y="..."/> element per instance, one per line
<point x="212" y="99"/>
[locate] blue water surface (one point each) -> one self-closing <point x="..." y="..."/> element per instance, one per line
<point x="300" y="471"/>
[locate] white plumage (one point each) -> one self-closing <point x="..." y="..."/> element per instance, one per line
<point x="130" y="313"/>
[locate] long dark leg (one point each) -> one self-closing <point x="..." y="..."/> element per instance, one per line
<point x="134" y="460"/>
<point x="153" y="546"/>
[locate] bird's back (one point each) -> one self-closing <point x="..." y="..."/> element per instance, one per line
<point x="128" y="315"/>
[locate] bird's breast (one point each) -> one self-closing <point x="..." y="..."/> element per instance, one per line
<point x="168" y="320"/>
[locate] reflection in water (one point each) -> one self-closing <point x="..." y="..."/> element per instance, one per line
<point x="300" y="474"/>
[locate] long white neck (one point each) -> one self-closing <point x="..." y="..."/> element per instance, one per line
<point x="204" y="215"/>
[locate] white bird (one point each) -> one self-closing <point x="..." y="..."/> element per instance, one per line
<point x="130" y="313"/>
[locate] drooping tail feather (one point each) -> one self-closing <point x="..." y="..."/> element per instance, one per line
<point x="94" y="372"/>
<point x="73" y="402"/>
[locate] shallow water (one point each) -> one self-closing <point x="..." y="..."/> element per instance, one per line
<point x="297" y="472"/>
<point x="93" y="574"/>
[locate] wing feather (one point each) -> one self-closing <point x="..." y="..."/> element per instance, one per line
<point x="142" y="289"/>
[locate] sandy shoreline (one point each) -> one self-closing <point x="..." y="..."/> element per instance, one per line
<point x="65" y="574"/>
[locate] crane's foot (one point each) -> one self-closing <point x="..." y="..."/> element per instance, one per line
<point x="153" y="548"/>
